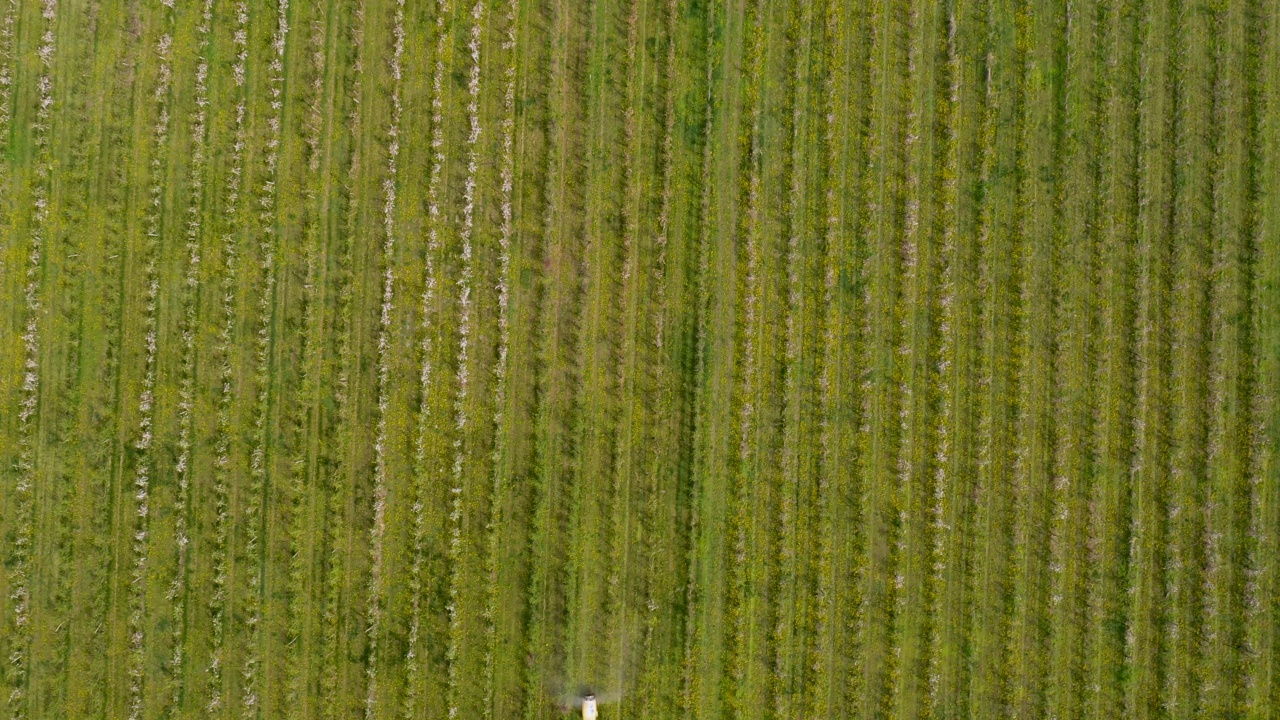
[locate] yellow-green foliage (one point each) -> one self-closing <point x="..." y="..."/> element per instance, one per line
<point x="768" y="359"/>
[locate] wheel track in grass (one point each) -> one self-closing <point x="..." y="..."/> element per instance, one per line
<point x="963" y="317"/>
<point x="1191" y="362"/>
<point x="922" y="228"/>
<point x="845" y="275"/>
<point x="1147" y="648"/>
<point x="1078" y="353"/>
<point x="1109" y="532"/>
<point x="1230" y="496"/>
<point x="803" y="330"/>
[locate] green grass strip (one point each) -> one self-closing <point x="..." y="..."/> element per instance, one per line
<point x="924" y="227"/>
<point x="1266" y="667"/>
<point x="557" y="364"/>
<point x="1147" y="651"/>
<point x="638" y="475"/>
<point x="228" y="452"/>
<point x="760" y="479"/>
<point x="390" y="533"/>
<point x="488" y="60"/>
<point x="1191" y="362"/>
<point x="681" y="78"/>
<point x="311" y="227"/>
<point x="603" y="141"/>
<point x="714" y="461"/>
<point x="885" y="229"/>
<point x="801" y="449"/>
<point x="99" y="320"/>
<point x="1037" y="431"/>
<point x="994" y="662"/>
<point x="1229" y="467"/>
<point x="61" y="179"/>
<point x="523" y="177"/>
<point x="1111" y="529"/>
<point x="12" y="361"/>
<point x="841" y="556"/>
<point x="1078" y="348"/>
<point x="955" y="594"/>
<point x="432" y="109"/>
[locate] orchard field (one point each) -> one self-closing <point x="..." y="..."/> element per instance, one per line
<point x="734" y="359"/>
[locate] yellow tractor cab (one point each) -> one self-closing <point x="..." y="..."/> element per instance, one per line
<point x="589" y="711"/>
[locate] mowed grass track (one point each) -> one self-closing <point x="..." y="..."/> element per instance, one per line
<point x="729" y="358"/>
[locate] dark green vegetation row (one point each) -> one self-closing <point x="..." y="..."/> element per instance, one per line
<point x="390" y="359"/>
